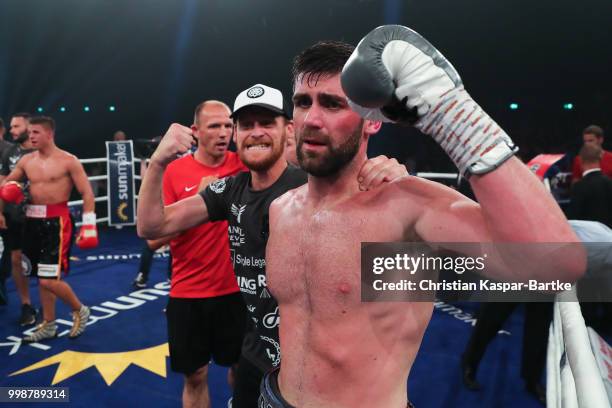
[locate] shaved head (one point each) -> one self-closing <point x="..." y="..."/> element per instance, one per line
<point x="206" y="106"/>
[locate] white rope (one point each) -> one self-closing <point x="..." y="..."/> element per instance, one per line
<point x="80" y="202"/>
<point x="98" y="220"/>
<point x="93" y="160"/>
<point x="577" y="382"/>
<point x="553" y="369"/>
<point x="447" y="176"/>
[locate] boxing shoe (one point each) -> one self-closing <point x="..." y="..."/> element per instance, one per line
<point x="140" y="281"/>
<point x="45" y="330"/>
<point x="79" y="322"/>
<point x="28" y="315"/>
<point x="3" y="297"/>
<point x="469" y="377"/>
<point x="395" y="75"/>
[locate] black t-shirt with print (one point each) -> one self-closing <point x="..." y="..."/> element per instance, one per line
<point x="246" y="211"/>
<point x="8" y="161"/>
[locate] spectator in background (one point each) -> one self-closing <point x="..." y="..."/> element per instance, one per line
<point x="593" y="136"/>
<point x="144" y="149"/>
<point x="591" y="200"/>
<point x="4" y="143"/>
<point x="489" y="320"/>
<point x="591" y="196"/>
<point x="148" y="251"/>
<point x="119" y="136"/>
<point x="5" y="263"/>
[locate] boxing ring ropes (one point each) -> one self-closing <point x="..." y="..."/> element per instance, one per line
<point x="99" y="178"/>
<point x="573" y="379"/>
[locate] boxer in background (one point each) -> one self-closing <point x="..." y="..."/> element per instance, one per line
<point x="52" y="173"/>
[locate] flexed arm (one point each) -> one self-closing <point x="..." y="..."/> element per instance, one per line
<point x="154" y="219"/>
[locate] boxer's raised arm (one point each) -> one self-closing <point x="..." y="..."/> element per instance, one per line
<point x="517" y="207"/>
<point x="449" y="217"/>
<point x="395" y="75"/>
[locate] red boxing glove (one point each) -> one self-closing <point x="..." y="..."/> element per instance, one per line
<point x="12" y="192"/>
<point x="88" y="235"/>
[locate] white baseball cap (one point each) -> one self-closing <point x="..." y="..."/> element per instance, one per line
<point x="260" y="95"/>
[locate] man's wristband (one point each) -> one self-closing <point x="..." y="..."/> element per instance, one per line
<point x="89" y="218"/>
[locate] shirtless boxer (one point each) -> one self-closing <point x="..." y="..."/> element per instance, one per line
<point x="261" y="127"/>
<point x="337" y="351"/>
<point x="52" y="173"/>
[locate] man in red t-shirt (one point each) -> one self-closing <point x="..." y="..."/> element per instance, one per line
<point x="593" y="135"/>
<point x="206" y="313"/>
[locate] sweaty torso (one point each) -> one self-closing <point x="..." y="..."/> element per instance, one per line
<point x="337" y="351"/>
<point x="49" y="177"/>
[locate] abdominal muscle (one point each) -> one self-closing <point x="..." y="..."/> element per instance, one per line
<point x="47" y="192"/>
<point x="360" y="358"/>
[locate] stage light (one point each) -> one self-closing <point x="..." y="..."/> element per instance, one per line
<point x="62" y="109"/>
<point x="111" y="108"/>
<point x="514" y="106"/>
<point x="39" y="109"/>
<point x="86" y="109"/>
<point x="568" y="106"/>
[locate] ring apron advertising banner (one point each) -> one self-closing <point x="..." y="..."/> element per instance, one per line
<point x="121" y="190"/>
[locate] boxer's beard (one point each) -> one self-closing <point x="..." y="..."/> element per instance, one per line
<point x="331" y="161"/>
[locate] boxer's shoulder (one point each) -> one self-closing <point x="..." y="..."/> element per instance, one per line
<point x="289" y="203"/>
<point x="292" y="197"/>
<point x="58" y="156"/>
<point x="421" y="189"/>
<point x="67" y="160"/>
<point x="26" y="158"/>
<point x="64" y="155"/>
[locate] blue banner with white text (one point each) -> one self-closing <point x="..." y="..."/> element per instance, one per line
<point x="121" y="190"/>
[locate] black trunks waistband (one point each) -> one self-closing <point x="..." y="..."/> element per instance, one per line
<point x="270" y="396"/>
<point x="47" y="210"/>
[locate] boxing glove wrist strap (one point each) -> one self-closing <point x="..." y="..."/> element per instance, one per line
<point x="89" y="218"/>
<point x="473" y="141"/>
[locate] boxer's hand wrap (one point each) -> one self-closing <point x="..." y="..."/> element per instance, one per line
<point x="12" y="192"/>
<point x="395" y="75"/>
<point x="88" y="235"/>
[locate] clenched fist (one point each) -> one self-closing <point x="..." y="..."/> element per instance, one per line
<point x="177" y="141"/>
<point x="206" y="180"/>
